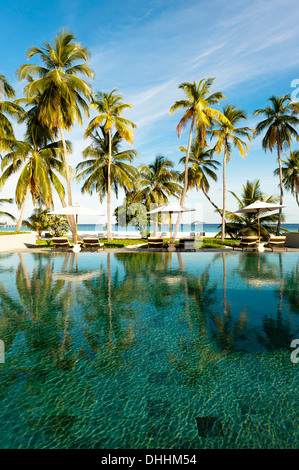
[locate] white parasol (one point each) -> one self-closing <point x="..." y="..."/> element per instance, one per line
<point x="76" y="210"/>
<point x="260" y="206"/>
<point x="170" y="209"/>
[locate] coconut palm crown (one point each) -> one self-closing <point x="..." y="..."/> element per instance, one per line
<point x="93" y="171"/>
<point x="8" y="108"/>
<point x="109" y="107"/>
<point x="62" y="92"/>
<point x="290" y="173"/>
<point x="202" y="168"/>
<point x="228" y="135"/>
<point x="279" y="130"/>
<point x="199" y="111"/>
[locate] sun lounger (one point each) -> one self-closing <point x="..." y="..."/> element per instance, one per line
<point x="247" y="243"/>
<point x="92" y="243"/>
<point x="47" y="235"/>
<point x="155" y="243"/>
<point x="276" y="242"/>
<point x="61" y="243"/>
<point x="186" y="244"/>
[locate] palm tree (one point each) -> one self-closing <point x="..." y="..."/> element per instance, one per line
<point x="7" y="108"/>
<point x="228" y="136"/>
<point x="247" y="223"/>
<point x="39" y="161"/>
<point x="202" y="167"/>
<point x="290" y="173"/>
<point x="36" y="221"/>
<point x="30" y="117"/>
<point x="6" y="214"/>
<point x="157" y="182"/>
<point x="110" y="106"/>
<point x="279" y="125"/>
<point x="198" y="110"/>
<point x="94" y="170"/>
<point x="62" y="93"/>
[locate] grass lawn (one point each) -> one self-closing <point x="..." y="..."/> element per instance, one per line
<point x="13" y="233"/>
<point x="121" y="243"/>
<point x="217" y="243"/>
<point x="118" y="243"/>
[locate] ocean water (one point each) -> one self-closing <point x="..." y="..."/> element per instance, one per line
<point x="209" y="228"/>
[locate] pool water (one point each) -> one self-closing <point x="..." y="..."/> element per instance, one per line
<point x="158" y="350"/>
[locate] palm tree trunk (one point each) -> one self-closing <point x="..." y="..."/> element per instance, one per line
<point x="175" y="233"/>
<point x="224" y="193"/>
<point x="281" y="188"/>
<point x="109" y="301"/>
<point x="210" y="200"/>
<point x="19" y="223"/>
<point x="109" y="231"/>
<point x="70" y="218"/>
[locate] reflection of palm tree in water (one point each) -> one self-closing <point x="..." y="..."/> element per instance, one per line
<point x="40" y="305"/>
<point x="278" y="332"/>
<point x="110" y="342"/>
<point x="68" y="298"/>
<point x="258" y="270"/>
<point x="198" y="360"/>
<point x="107" y="304"/>
<point x="227" y="331"/>
<point x="290" y="291"/>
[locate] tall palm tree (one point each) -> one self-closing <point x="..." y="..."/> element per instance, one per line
<point x="94" y="170"/>
<point x="110" y="106"/>
<point x="228" y="136"/>
<point x="199" y="111"/>
<point x="247" y="223"/>
<point x="278" y="125"/>
<point x="290" y="173"/>
<point x="202" y="167"/>
<point x="31" y="118"/>
<point x="157" y="182"/>
<point x="62" y="92"/>
<point x="7" y="108"/>
<point x="39" y="161"/>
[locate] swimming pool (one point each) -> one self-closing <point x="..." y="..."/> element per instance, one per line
<point x="158" y="350"/>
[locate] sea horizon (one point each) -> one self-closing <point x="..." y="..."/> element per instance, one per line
<point x="208" y="228"/>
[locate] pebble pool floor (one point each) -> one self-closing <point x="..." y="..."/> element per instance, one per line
<point x="137" y="351"/>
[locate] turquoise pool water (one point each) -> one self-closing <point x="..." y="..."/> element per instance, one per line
<point x="158" y="350"/>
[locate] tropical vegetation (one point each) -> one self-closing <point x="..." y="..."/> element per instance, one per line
<point x="199" y="111"/>
<point x="290" y="173"/>
<point x="58" y="93"/>
<point x="228" y="136"/>
<point x="202" y="168"/>
<point x="62" y="93"/>
<point x="278" y="125"/>
<point x="110" y="107"/>
<point x="102" y="157"/>
<point x="246" y="223"/>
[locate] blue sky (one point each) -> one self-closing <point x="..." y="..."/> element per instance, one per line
<point x="146" y="49"/>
